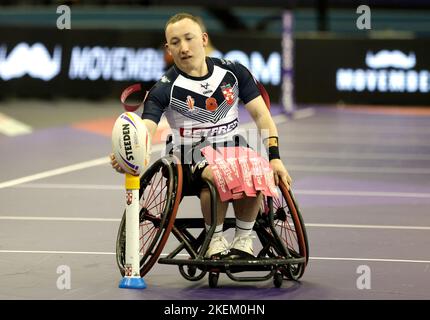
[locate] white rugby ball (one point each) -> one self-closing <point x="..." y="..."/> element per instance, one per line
<point x="131" y="143"/>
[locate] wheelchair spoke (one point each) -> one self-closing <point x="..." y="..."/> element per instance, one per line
<point x="279" y="203"/>
<point x="154" y="197"/>
<point x="152" y="189"/>
<point x="148" y="241"/>
<point x="152" y="232"/>
<point x="160" y="209"/>
<point x="288" y="234"/>
<point x="149" y="229"/>
<point x="286" y="226"/>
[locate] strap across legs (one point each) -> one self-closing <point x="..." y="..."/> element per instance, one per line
<point x="240" y="172"/>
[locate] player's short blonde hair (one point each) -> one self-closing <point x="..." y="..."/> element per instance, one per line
<point x="183" y="15"/>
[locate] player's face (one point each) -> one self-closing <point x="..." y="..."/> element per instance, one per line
<point x="186" y="43"/>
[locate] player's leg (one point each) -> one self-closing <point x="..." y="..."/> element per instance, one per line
<point x="218" y="243"/>
<point x="246" y="211"/>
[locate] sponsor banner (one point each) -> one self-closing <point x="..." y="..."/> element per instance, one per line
<point x="97" y="64"/>
<point x="363" y="71"/>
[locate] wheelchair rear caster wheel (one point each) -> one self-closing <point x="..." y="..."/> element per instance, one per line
<point x="189" y="272"/>
<point x="277" y="279"/>
<point x="213" y="279"/>
<point x="192" y="270"/>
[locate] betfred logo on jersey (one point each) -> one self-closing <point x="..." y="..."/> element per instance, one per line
<point x="209" y="131"/>
<point x="227" y="91"/>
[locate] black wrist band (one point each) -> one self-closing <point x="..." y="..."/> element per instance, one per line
<point x="272" y="147"/>
<point x="274" y="153"/>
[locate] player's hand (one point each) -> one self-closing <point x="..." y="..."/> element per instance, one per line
<point x="115" y="164"/>
<point x="280" y="173"/>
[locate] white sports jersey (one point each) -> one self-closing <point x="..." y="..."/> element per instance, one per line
<point x="202" y="106"/>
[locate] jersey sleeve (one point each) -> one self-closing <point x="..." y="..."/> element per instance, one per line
<point x="156" y="103"/>
<point x="248" y="89"/>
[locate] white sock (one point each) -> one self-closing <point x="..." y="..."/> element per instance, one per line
<point x="218" y="229"/>
<point x="243" y="228"/>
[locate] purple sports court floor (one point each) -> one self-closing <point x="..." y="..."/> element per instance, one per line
<point x="361" y="178"/>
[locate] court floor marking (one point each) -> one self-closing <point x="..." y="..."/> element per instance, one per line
<point x="348" y="193"/>
<point x="280" y="118"/>
<point x="12" y="127"/>
<point x="369" y="259"/>
<point x="303" y="113"/>
<point x="71" y="219"/>
<point x="186" y="255"/>
<point x="352" y="169"/>
<point x="58" y="252"/>
<point x="356" y="193"/>
<point x="356" y="155"/>
<point x="70" y="186"/>
<point x="371" y="122"/>
<point x="308" y="128"/>
<point x="325" y="169"/>
<point x="339" y="139"/>
<point x="315" y="225"/>
<point x="55" y="172"/>
<point x="67" y="169"/>
<point x="365" y="226"/>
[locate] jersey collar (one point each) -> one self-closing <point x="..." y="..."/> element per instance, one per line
<point x="210" y="65"/>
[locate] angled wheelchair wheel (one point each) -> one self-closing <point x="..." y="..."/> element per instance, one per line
<point x="285" y="224"/>
<point x="160" y="195"/>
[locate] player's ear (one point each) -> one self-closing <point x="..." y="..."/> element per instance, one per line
<point x="166" y="46"/>
<point x="205" y="39"/>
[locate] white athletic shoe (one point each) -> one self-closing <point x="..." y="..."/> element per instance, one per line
<point x="218" y="245"/>
<point x="243" y="244"/>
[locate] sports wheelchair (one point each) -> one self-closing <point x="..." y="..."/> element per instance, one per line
<point x="279" y="226"/>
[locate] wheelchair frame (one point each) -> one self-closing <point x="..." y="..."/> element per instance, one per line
<point x="278" y="257"/>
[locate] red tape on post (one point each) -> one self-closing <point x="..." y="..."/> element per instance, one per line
<point x="129" y="91"/>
